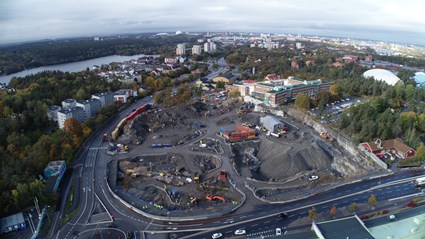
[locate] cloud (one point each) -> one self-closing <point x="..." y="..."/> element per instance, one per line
<point x="24" y="20"/>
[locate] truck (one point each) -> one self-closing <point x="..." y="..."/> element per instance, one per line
<point x="420" y="182"/>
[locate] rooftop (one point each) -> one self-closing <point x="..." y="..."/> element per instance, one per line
<point x="349" y="227"/>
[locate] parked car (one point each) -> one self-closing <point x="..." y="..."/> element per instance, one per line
<point x="313" y="177"/>
<point x="240" y="232"/>
<point x="217" y="235"/>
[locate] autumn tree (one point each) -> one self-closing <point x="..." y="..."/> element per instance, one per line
<point x="333" y="211"/>
<point x="302" y="101"/>
<point x="312" y="213"/>
<point x="336" y="89"/>
<point x="372" y="200"/>
<point x="353" y="207"/>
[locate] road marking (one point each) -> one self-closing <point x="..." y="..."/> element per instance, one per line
<point x="405" y="196"/>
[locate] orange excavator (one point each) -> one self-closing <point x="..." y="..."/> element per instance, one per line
<point x="214" y="197"/>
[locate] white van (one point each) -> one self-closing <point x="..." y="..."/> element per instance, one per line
<point x="278" y="231"/>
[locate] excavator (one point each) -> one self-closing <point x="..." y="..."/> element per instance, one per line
<point x="214" y="197"/>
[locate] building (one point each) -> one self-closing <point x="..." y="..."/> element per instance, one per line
<point x="123" y="95"/>
<point x="53" y="174"/>
<point x="196" y="50"/>
<point x="52" y="112"/>
<point x="106" y="98"/>
<point x="12" y="223"/>
<point x="276" y="92"/>
<point x="298" y="45"/>
<point x="368" y="58"/>
<point x="392" y="148"/>
<point x="271" y="123"/>
<point x="76" y="113"/>
<point x="382" y="75"/>
<point x="68" y="104"/>
<point x="210" y="46"/>
<point x="349" y="227"/>
<point x="181" y="49"/>
<point x="90" y="107"/>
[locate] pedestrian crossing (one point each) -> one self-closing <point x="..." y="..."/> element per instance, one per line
<point x="263" y="234"/>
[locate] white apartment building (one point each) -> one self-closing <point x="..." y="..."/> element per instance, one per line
<point x="106" y="98"/>
<point x="210" y="46"/>
<point x="69" y="103"/>
<point x="181" y="49"/>
<point x="196" y="49"/>
<point x="76" y="113"/>
<point x="90" y="107"/>
<point x="52" y="112"/>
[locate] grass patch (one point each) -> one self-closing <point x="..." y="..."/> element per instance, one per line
<point x="70" y="199"/>
<point x="69" y="216"/>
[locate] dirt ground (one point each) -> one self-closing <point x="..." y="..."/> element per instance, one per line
<point x="168" y="147"/>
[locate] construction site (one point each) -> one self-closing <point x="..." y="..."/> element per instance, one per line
<point x="192" y="156"/>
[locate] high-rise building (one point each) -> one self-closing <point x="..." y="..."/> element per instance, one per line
<point x="106" y="98"/>
<point x="210" y="46"/>
<point x="90" y="106"/>
<point x="181" y="49"/>
<point x="196" y="49"/>
<point x="76" y="113"/>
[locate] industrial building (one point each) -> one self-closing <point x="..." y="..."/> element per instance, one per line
<point x="272" y="124"/>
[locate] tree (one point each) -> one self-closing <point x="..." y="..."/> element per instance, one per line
<point x="333" y="211"/>
<point x="336" y="89"/>
<point x="220" y="85"/>
<point x="372" y="200"/>
<point x="302" y="101"/>
<point x="312" y="213"/>
<point x="353" y="207"/>
<point x="234" y="94"/>
<point x="420" y="152"/>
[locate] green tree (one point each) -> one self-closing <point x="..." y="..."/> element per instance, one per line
<point x="234" y="94"/>
<point x="336" y="89"/>
<point x="220" y="85"/>
<point x="420" y="153"/>
<point x="302" y="101"/>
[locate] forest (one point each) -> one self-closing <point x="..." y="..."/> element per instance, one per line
<point x="29" y="140"/>
<point x="15" y="58"/>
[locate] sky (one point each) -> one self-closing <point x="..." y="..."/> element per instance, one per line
<point x="386" y="20"/>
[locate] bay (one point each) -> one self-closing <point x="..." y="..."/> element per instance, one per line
<point x="71" y="67"/>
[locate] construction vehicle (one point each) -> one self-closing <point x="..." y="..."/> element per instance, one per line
<point x="326" y="136"/>
<point x="117" y="149"/>
<point x="196" y="178"/>
<point x="214" y="197"/>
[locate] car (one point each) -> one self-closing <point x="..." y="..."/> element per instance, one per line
<point x="282" y="216"/>
<point x="217" y="235"/>
<point x="240" y="232"/>
<point x="313" y="177"/>
<point x="278" y="231"/>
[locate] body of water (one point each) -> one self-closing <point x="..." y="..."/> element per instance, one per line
<point x="71" y="67"/>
